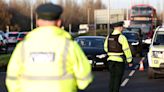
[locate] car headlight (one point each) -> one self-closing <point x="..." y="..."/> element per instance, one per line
<point x="134" y="43"/>
<point x="157" y="54"/>
<point x="101" y="56"/>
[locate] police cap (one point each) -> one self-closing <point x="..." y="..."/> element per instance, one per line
<point x="49" y="11"/>
<point x="117" y="24"/>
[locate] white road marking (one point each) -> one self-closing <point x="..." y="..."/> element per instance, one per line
<point x="131" y="74"/>
<point x="124" y="82"/>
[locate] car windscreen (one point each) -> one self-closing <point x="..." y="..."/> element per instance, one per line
<point x="13" y="35"/>
<point x="159" y="38"/>
<point x="131" y="36"/>
<point x="138" y="30"/>
<point x="91" y="42"/>
<point x="22" y="35"/>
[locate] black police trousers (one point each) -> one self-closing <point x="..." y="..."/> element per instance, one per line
<point x="116" y="70"/>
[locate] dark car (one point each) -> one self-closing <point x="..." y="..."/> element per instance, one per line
<point x="12" y="38"/>
<point x="21" y="36"/>
<point x="135" y="42"/>
<point x="93" y="47"/>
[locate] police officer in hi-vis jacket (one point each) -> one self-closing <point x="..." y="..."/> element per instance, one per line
<point x="48" y="60"/>
<point x="117" y="48"/>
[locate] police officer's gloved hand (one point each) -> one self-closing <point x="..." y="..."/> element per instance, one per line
<point x="130" y="64"/>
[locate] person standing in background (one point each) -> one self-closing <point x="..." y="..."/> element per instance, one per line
<point x="117" y="48"/>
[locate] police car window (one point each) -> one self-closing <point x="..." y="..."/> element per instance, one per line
<point x="159" y="38"/>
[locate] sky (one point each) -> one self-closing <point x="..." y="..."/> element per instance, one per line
<point x="119" y="4"/>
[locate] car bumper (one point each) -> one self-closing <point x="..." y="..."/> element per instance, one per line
<point x="158" y="70"/>
<point x="97" y="62"/>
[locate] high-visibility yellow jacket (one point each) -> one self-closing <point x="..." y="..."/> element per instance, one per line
<point x="125" y="47"/>
<point x="47" y="60"/>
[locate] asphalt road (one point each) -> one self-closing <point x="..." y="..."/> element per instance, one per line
<point x="133" y="80"/>
<point x="2" y="79"/>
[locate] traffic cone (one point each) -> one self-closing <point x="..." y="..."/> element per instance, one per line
<point x="141" y="68"/>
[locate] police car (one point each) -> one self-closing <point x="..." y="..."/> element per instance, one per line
<point x="156" y="53"/>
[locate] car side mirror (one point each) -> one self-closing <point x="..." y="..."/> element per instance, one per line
<point x="148" y="41"/>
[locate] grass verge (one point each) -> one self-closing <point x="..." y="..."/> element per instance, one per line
<point x="4" y="59"/>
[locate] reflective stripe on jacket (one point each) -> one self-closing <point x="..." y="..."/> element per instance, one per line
<point x="48" y="60"/>
<point x="125" y="47"/>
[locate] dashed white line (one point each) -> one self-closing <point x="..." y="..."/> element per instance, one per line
<point x="124" y="82"/>
<point x="131" y="73"/>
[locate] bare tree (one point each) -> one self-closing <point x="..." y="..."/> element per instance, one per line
<point x="20" y="10"/>
<point x="5" y="16"/>
<point x="91" y="5"/>
<point x="75" y="13"/>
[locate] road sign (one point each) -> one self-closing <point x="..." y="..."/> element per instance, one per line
<point x="105" y="16"/>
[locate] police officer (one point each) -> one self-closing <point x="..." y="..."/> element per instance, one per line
<point x="48" y="60"/>
<point x="116" y="45"/>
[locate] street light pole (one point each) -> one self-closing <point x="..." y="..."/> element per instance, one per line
<point x="88" y="12"/>
<point x="108" y="25"/>
<point x="31" y="15"/>
<point x="163" y="12"/>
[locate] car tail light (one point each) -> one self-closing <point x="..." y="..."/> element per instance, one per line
<point x="19" y="39"/>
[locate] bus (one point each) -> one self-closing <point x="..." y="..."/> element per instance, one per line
<point x="143" y="16"/>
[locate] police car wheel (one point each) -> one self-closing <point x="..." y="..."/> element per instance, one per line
<point x="151" y="74"/>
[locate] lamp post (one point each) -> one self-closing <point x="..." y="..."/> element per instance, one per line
<point x="88" y="14"/>
<point x="31" y="14"/>
<point x="108" y="25"/>
<point x="163" y="12"/>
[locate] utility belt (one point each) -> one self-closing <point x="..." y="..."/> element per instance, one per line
<point x="123" y="57"/>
